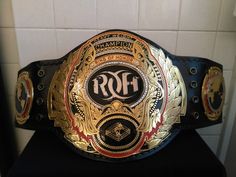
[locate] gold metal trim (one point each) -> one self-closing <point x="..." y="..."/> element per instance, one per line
<point x="68" y="89"/>
<point x="211" y="85"/>
<point x="26" y="103"/>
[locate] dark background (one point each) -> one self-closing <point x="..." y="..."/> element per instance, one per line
<point x="8" y="148"/>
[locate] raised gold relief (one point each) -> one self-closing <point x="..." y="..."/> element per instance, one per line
<point x="24" y="97"/>
<point x="116" y="96"/>
<point x="213" y="93"/>
<point x="177" y="100"/>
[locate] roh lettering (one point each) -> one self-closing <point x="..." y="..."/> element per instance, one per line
<point x="125" y="84"/>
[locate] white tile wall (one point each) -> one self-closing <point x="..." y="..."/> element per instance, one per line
<point x="159" y="14"/>
<point x="227" y="21"/>
<point x="191" y="43"/>
<point x="75" y="14"/>
<point x="45" y="29"/>
<point x="68" y="39"/>
<point x="166" y="39"/>
<point x="36" y="44"/>
<point x="225" y="49"/>
<point x="117" y="14"/>
<point x="199" y="15"/>
<point x="33" y="13"/>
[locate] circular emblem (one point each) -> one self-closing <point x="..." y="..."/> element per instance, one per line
<point x="23" y="97"/>
<point x="120" y="96"/>
<point x="117" y="135"/>
<point x="116" y="81"/>
<point x="213" y="93"/>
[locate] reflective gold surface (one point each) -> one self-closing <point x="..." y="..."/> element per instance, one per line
<point x="117" y="96"/>
<point x="24" y="97"/>
<point x="213" y="93"/>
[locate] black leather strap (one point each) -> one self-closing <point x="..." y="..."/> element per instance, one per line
<point x="195" y="116"/>
<point x="111" y="69"/>
<point x="41" y="73"/>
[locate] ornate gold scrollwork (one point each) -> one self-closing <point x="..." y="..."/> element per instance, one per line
<point x="113" y="87"/>
<point x="177" y="100"/>
<point x="213" y="93"/>
<point x="24" y="97"/>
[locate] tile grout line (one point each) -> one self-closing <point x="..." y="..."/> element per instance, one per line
<point x="55" y="29"/>
<point x="218" y="148"/>
<point x="216" y="31"/>
<point x="177" y="34"/>
<point x="180" y="8"/>
<point x="96" y="16"/>
<point x="218" y="17"/>
<point x="94" y="29"/>
<point x="138" y="9"/>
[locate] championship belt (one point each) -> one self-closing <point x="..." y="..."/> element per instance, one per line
<point x="119" y="96"/>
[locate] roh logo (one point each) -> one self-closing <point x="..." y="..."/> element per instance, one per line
<point x="115" y="82"/>
<point x="110" y="79"/>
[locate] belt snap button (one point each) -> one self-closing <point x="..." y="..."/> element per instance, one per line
<point x="39" y="117"/>
<point x="193" y="84"/>
<point x="195" y="115"/>
<point x="193" y="70"/>
<point x="40" y="86"/>
<point x="41" y="73"/>
<point x="195" y="99"/>
<point x="39" y="101"/>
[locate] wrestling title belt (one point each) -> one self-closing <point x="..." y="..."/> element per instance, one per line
<point x="119" y="96"/>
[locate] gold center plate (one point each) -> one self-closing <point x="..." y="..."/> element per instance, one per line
<point x="116" y="96"/>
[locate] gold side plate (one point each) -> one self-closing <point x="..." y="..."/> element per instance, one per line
<point x="24" y="97"/>
<point x="117" y="87"/>
<point x="213" y="93"/>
